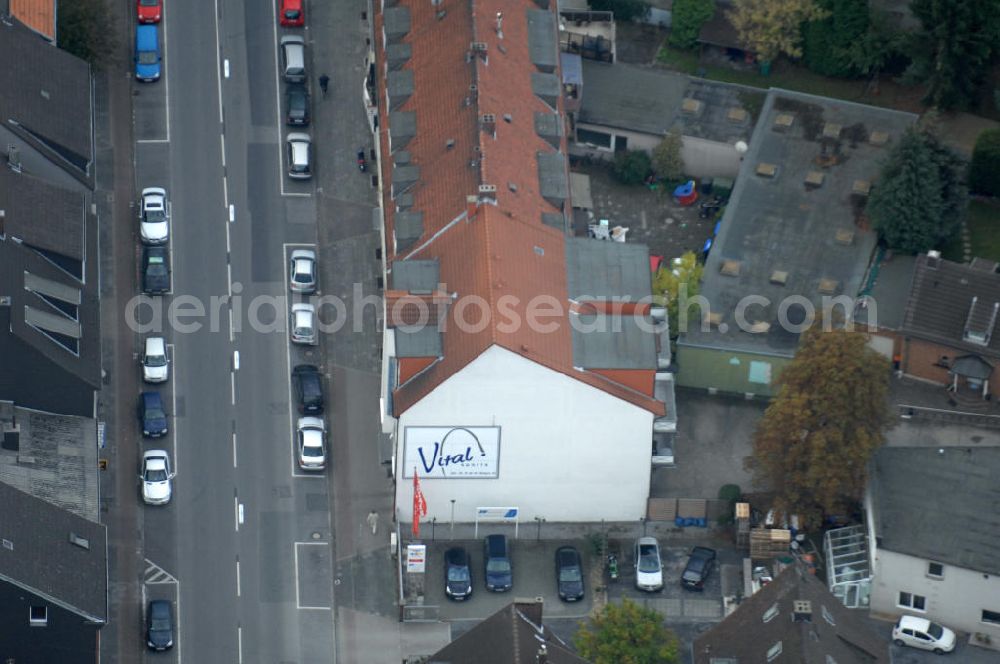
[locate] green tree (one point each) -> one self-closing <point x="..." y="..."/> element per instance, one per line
<point x="876" y="47"/>
<point x="830" y="414"/>
<point x="631" y="166"/>
<point x="686" y="19"/>
<point x="85" y="29"/>
<point x="954" y="50"/>
<point x="667" y="159"/>
<point x="984" y="169"/>
<point x="826" y="43"/>
<point x="920" y="199"/>
<point x="771" y="28"/>
<point x="676" y="283"/>
<point x="625" y="10"/>
<point x="627" y="633"/>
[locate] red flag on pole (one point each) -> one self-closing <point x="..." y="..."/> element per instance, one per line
<point x="419" y="504"/>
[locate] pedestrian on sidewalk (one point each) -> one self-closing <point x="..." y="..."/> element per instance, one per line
<point x="324" y="82"/>
<point x="373" y="521"/>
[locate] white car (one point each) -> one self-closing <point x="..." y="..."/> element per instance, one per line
<point x="299" y="148"/>
<point x="648" y="566"/>
<point x="302" y="271"/>
<point x="303" y="324"/>
<point x="311" y="443"/>
<point x="155" y="476"/>
<point x="924" y="634"/>
<point x="155" y="366"/>
<point x="153" y="217"/>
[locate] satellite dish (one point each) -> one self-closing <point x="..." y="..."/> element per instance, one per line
<point x="742" y="147"/>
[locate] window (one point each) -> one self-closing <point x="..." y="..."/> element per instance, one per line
<point x="770" y="613"/>
<point x="596" y="138"/>
<point x="935" y="570"/>
<point x="38" y="616"/>
<point x="827" y="616"/>
<point x="915" y="602"/>
<point x="991" y="617"/>
<point x="774" y="651"/>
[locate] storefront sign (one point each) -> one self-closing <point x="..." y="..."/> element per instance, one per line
<point x="416" y="558"/>
<point x="451" y="452"/>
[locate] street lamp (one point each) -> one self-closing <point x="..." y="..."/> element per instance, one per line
<point x="539" y="521"/>
<point x="453" y="518"/>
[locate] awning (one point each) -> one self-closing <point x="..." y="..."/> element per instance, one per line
<point x="972" y="366"/>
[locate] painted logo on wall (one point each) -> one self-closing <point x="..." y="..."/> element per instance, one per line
<point x="452" y="452"/>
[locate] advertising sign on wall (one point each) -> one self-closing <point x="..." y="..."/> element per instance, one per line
<point x="416" y="558"/>
<point x="451" y="452"/>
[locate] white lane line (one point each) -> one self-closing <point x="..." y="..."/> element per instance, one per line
<point x="173" y="400"/>
<point x="152" y="140"/>
<point x="166" y="87"/>
<point x="277" y="97"/>
<point x="234" y="449"/>
<point x="222" y="143"/>
<point x="225" y="190"/>
<point x="292" y="193"/>
<point x="231" y="337"/>
<point x="228" y="248"/>
<point x="225" y="67"/>
<point x="218" y="52"/>
<point x="238" y="593"/>
<point x="232" y="213"/>
<point x="236" y="512"/>
<point x="232" y="387"/>
<point x="177" y="588"/>
<point x="239" y="639"/>
<point x="236" y="360"/>
<point x="298" y="603"/>
<point x="229" y="278"/>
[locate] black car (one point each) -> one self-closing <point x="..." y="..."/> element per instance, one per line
<point x="499" y="571"/>
<point x="569" y="574"/>
<point x="155" y="270"/>
<point x="308" y="384"/>
<point x="152" y="415"/>
<point x="297" y="105"/>
<point x="160" y="625"/>
<point x="457" y="574"/>
<point x="698" y="567"/>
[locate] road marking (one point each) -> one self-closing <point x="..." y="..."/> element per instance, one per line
<point x="229" y="277"/>
<point x="173" y="401"/>
<point x="236" y="360"/>
<point x="152" y="140"/>
<point x="238" y="593"/>
<point x="230" y="324"/>
<point x="236" y="512"/>
<point x="239" y="639"/>
<point x="166" y="83"/>
<point x="277" y="96"/>
<point x="234" y="449"/>
<point x="241" y="513"/>
<point x="298" y="603"/>
<point x="155" y="575"/>
<point x="232" y="387"/>
<point x="225" y="67"/>
<point x="232" y="213"/>
<point x="222" y="144"/>
<point x="218" y="51"/>
<point x="225" y="188"/>
<point x="228" y="247"/>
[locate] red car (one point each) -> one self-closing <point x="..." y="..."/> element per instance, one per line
<point x="293" y="14"/>
<point x="149" y="11"/>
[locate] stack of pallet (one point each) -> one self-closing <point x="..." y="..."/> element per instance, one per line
<point x="767" y="543"/>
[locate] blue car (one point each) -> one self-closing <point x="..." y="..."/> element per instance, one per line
<point x="147" y="53"/>
<point x="152" y="415"/>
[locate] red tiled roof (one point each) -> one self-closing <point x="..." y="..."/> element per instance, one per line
<point x="499" y="259"/>
<point x="39" y="15"/>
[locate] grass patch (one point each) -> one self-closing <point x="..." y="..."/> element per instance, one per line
<point x="984" y="229"/>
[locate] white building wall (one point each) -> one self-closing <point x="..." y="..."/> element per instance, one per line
<point x="956" y="600"/>
<point x="568" y="451"/>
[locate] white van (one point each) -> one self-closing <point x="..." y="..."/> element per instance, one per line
<point x="155" y="367"/>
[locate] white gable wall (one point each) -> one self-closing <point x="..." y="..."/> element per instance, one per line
<point x="568" y="451"/>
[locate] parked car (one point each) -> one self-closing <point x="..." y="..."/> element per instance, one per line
<point x="648" y="566"/>
<point x="307" y="383"/>
<point x="499" y="569"/>
<point x="149" y="11"/>
<point x="153" y="222"/>
<point x="152" y="415"/>
<point x="699" y="566"/>
<point x="293" y="58"/>
<point x="303" y="325"/>
<point x="569" y="574"/>
<point x="155" y="270"/>
<point x="160" y="625"/>
<point x="155" y="366"/>
<point x="302" y="271"/>
<point x="292" y="13"/>
<point x="457" y="574"/>
<point x="299" y="149"/>
<point x="155" y="476"/>
<point x="924" y="634"/>
<point x="147" y="53"/>
<point x="296" y="105"/>
<point x="311" y="443"/>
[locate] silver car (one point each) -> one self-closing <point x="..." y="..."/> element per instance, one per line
<point x="153" y="216"/>
<point x="155" y="476"/>
<point x="311" y="443"/>
<point x="303" y="324"/>
<point x="302" y="271"/>
<point x="293" y="59"/>
<point x="299" y="149"/>
<point x="155" y="366"/>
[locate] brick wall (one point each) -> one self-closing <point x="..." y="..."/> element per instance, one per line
<point x="923" y="359"/>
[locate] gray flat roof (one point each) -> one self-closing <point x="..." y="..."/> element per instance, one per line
<point x="778" y="225"/>
<point x="613" y="342"/>
<point x="600" y="269"/>
<point x="648" y="100"/>
<point x="939" y="505"/>
<point x="416" y="276"/>
<point x="889" y="293"/>
<point x="424" y="341"/>
<point x="56" y="459"/>
<point x="44" y="561"/>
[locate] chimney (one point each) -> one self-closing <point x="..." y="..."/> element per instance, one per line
<point x="471" y="206"/>
<point x="500" y="25"/>
<point x="933" y="259"/>
<point x="487" y="192"/>
<point x="488" y="123"/>
<point x="530" y="608"/>
<point x="801" y="611"/>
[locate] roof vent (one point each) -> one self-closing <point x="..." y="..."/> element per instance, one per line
<point x="441" y="14"/>
<point x="512" y="187"/>
<point x="7" y="544"/>
<point x="449" y="144"/>
<point x="5" y="300"/>
<point x="802" y="610"/>
<point x="845" y="236"/>
<point x="508" y="118"/>
<point x="691" y="106"/>
<point x="878" y="138"/>
<point x="779" y="277"/>
<point x="831" y="130"/>
<point x="737" y="115"/>
<point x="477" y="46"/>
<point x="861" y="187"/>
<point x="730" y="268"/>
<point x="81" y="542"/>
<point x="814" y="179"/>
<point x="828" y="286"/>
<point x="766" y="170"/>
<point x="783" y="121"/>
<point x="488" y="192"/>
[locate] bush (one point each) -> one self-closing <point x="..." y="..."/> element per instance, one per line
<point x="826" y="43"/>
<point x="85" y="29"/>
<point x="686" y="21"/>
<point x="667" y="160"/>
<point x="730" y="492"/>
<point x="624" y="10"/>
<point x="984" y="170"/>
<point x="632" y="166"/>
